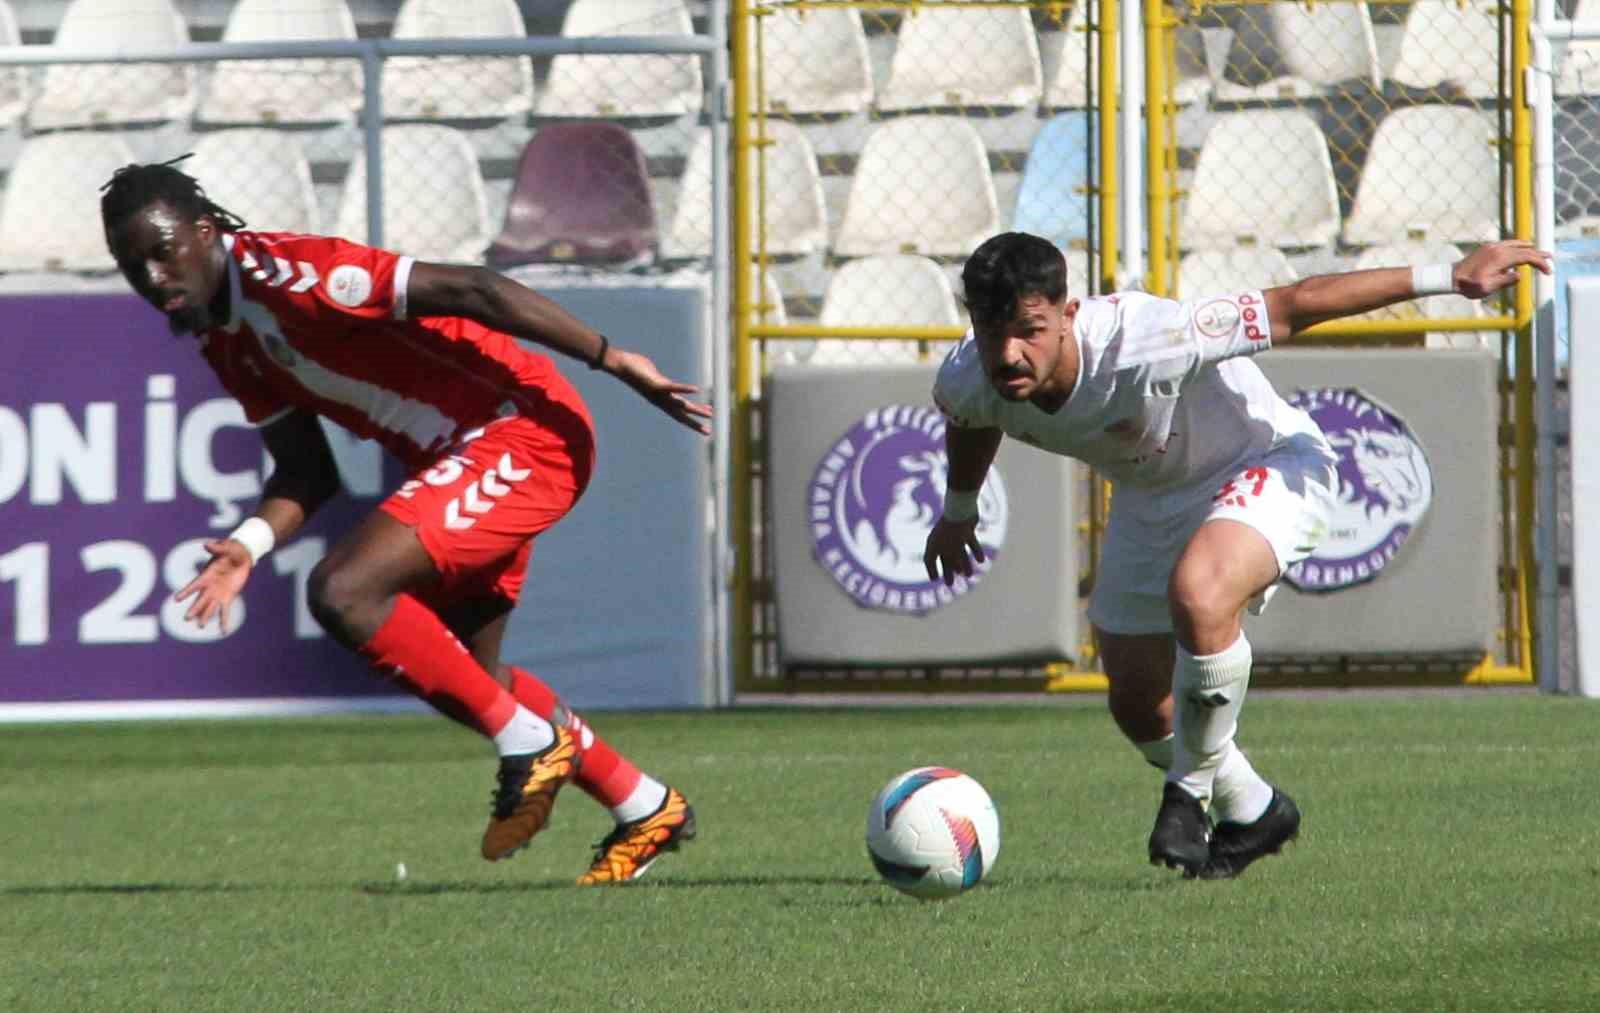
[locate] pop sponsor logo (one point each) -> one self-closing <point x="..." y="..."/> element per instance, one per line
<point x="1385" y="489"/>
<point x="876" y="495"/>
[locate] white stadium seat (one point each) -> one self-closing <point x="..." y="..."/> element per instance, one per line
<point x="642" y="86"/>
<point x="75" y="95"/>
<point x="1451" y="45"/>
<point x="963" y="57"/>
<point x="1409" y="254"/>
<point x="50" y="220"/>
<point x="1578" y="71"/>
<point x="814" y="61"/>
<point x="1263" y="177"/>
<point x="896" y="290"/>
<point x="1433" y="174"/>
<point x="951" y="209"/>
<point x="15" y="91"/>
<point x="284" y="91"/>
<point x="1070" y="86"/>
<point x="457" y="87"/>
<point x="435" y="207"/>
<point x="796" y="218"/>
<point x="1219" y="272"/>
<point x="1319" y="46"/>
<point x="261" y="175"/>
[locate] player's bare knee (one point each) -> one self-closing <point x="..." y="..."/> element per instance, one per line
<point x="341" y="601"/>
<point x="1199" y="601"/>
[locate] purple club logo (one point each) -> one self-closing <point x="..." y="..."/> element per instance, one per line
<point x="1385" y="489"/>
<point x="873" y="499"/>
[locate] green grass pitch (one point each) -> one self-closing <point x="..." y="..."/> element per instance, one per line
<point x="1450" y="860"/>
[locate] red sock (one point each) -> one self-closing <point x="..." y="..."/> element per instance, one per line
<point x="416" y="649"/>
<point x="605" y="775"/>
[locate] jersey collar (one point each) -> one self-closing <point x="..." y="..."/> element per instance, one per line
<point x="235" y="294"/>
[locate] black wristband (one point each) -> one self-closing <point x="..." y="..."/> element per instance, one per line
<point x="599" y="360"/>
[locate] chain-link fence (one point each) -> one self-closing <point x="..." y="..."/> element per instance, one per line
<point x="573" y="147"/>
<point x="886" y="141"/>
<point x="1334" y="136"/>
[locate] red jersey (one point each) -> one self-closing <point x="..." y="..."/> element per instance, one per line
<point x="320" y="323"/>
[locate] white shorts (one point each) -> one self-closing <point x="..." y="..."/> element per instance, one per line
<point x="1287" y="496"/>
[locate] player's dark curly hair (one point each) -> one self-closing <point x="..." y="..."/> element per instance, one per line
<point x="1007" y="267"/>
<point x="134" y="187"/>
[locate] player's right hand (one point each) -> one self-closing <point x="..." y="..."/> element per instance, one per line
<point x="217" y="584"/>
<point x="946" y="553"/>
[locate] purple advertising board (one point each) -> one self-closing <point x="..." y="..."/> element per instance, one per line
<point x="119" y="456"/>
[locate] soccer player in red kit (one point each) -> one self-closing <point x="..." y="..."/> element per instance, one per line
<point x="421" y="358"/>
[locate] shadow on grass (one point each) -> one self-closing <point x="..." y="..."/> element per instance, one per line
<point x="90" y="889"/>
<point x="1106" y="884"/>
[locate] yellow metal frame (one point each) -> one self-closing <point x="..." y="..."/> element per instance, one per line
<point x="750" y="265"/>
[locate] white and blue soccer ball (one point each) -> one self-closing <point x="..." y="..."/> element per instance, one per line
<point x="933" y="832"/>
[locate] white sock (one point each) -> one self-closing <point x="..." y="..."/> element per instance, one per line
<point x="525" y="733"/>
<point x="645" y="799"/>
<point x="1207" y="694"/>
<point x="1157" y="753"/>
<point x="1238" y="795"/>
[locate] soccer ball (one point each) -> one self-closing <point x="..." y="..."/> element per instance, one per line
<point x="933" y="832"/>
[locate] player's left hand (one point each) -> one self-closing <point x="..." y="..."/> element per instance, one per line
<point x="638" y="372"/>
<point x="1493" y="266"/>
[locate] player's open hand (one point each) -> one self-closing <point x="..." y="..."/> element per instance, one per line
<point x="671" y="396"/>
<point x="218" y="583"/>
<point x="948" y="545"/>
<point x="1493" y="266"/>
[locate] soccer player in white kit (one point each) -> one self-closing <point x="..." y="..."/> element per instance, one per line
<point x="1218" y="486"/>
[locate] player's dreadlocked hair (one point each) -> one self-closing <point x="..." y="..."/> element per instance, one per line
<point x="1007" y="267"/>
<point x="133" y="187"/>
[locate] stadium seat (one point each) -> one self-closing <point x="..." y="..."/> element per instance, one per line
<point x="457" y="87"/>
<point x="796" y="218"/>
<point x="1450" y="148"/>
<point x="260" y="175"/>
<point x="433" y="198"/>
<point x="39" y="282"/>
<point x="74" y="95"/>
<point x="1315" y="47"/>
<point x="15" y="90"/>
<point x="1418" y="254"/>
<point x="641" y="86"/>
<point x="582" y="196"/>
<point x="1054" y="198"/>
<point x="963" y="57"/>
<point x="815" y="61"/>
<point x="1451" y="47"/>
<point x="922" y="185"/>
<point x="51" y="216"/>
<point x="896" y="290"/>
<point x="1587" y="227"/>
<point x="1070" y="87"/>
<point x="1219" y="272"/>
<point x="1263" y="177"/>
<point x="1578" y="72"/>
<point x="284" y="91"/>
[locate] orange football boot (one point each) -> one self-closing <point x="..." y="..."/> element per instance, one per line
<point x="629" y="850"/>
<point x="527" y="793"/>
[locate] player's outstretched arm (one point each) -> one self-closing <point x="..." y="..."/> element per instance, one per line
<point x="304" y="476"/>
<point x="970" y="452"/>
<point x="1483" y="272"/>
<point x="498" y="302"/>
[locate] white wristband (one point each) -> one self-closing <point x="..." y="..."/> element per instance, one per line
<point x="960" y="506"/>
<point x="256" y="536"/>
<point x="1434" y="279"/>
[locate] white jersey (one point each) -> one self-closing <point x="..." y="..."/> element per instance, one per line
<point x="1165" y="405"/>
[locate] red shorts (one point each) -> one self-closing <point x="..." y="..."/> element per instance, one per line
<point x="478" y="506"/>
